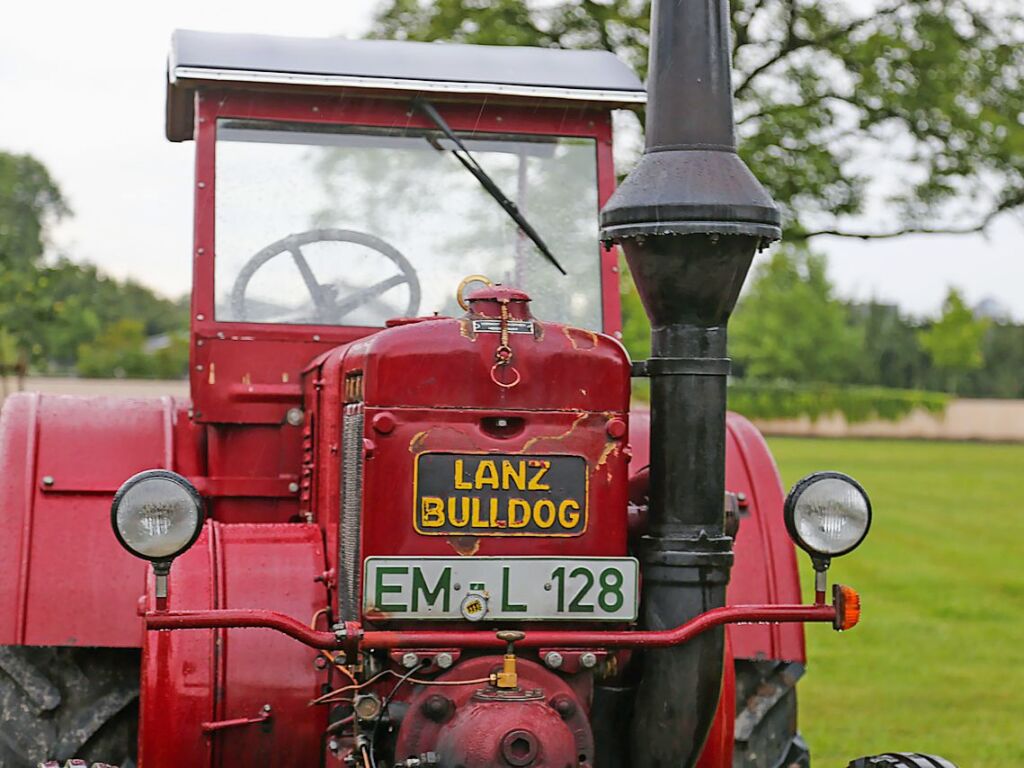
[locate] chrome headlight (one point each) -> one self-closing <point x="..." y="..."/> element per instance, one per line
<point x="157" y="515"/>
<point x="828" y="514"/>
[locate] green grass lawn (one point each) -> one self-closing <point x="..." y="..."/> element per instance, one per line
<point x="937" y="663"/>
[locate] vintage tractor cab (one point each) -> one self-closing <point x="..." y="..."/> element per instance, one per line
<point x="409" y="449"/>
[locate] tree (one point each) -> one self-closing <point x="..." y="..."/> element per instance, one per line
<point x="30" y="202"/>
<point x="892" y="355"/>
<point x="830" y="95"/>
<point x="954" y="341"/>
<point x="50" y="310"/>
<point x="789" y="325"/>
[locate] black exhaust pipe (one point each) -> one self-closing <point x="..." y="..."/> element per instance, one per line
<point x="689" y="218"/>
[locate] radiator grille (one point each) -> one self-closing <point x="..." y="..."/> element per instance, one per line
<point x="351" y="511"/>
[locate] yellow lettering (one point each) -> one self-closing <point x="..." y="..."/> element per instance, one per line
<point x="456" y="516"/>
<point x="460" y="483"/>
<point x="535" y="483"/>
<point x="566" y="518"/>
<point x="495" y="522"/>
<point x="432" y="512"/>
<point x="478" y="522"/>
<point x="513" y="521"/>
<point x="549" y="513"/>
<point x="486" y="474"/>
<point x="515" y="472"/>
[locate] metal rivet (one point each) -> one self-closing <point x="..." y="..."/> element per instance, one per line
<point x="200" y="317"/>
<point x="444" y="660"/>
<point x="200" y="251"/>
<point x="294" y="416"/>
<point x="266" y="708"/>
<point x="202" y="185"/>
<point x="615" y="269"/>
<point x="618" y="334"/>
<point x="410" y="660"/>
<point x="199" y="367"/>
<point x="47" y="480"/>
<point x="588" y="660"/>
<point x="293" y="487"/>
<point x="553" y="659"/>
<point x="199" y="342"/>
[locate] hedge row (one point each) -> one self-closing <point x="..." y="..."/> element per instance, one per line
<point x="783" y="400"/>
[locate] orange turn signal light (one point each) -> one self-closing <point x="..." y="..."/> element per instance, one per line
<point x="847" y="605"/>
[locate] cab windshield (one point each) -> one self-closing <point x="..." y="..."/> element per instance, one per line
<point x="341" y="225"/>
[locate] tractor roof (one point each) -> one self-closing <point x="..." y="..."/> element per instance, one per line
<point x="208" y="58"/>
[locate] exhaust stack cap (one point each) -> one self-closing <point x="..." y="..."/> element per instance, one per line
<point x="690" y="180"/>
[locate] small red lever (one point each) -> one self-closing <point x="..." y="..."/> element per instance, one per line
<point x="220" y="725"/>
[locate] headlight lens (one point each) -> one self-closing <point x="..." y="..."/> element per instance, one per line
<point x="828" y="514"/>
<point x="157" y="515"/>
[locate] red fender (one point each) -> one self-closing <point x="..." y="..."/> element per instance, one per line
<point x="64" y="579"/>
<point x="196" y="682"/>
<point x="718" y="748"/>
<point x="765" y="568"/>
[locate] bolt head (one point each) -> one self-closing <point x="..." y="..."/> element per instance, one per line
<point x="410" y="660"/>
<point x="294" y="417"/>
<point x="293" y="487"/>
<point x="588" y="660"/>
<point x="444" y="660"/>
<point x="553" y="659"/>
<point x="48" y="480"/>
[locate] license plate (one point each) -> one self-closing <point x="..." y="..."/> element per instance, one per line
<point x="501" y="588"/>
<point x="496" y="494"/>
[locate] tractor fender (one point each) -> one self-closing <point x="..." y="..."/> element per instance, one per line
<point x="765" y="567"/>
<point x="64" y="580"/>
<point x="201" y="686"/>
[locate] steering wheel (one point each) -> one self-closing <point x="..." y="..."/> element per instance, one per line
<point x="329" y="308"/>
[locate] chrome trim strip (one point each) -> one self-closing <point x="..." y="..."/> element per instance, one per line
<point x="400" y="84"/>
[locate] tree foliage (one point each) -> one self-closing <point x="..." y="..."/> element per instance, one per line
<point x="954" y="341"/>
<point x="30" y="201"/>
<point x="831" y="95"/>
<point x="52" y="310"/>
<point x="790" y="326"/>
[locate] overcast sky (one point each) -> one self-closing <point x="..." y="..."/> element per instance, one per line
<point x="82" y="89"/>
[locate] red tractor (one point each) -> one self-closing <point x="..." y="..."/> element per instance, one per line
<point x="407" y="516"/>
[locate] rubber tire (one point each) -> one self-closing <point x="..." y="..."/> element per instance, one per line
<point x="901" y="760"/>
<point x="64" y="703"/>
<point x="774" y="741"/>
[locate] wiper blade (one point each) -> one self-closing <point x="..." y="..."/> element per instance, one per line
<point x="486" y="181"/>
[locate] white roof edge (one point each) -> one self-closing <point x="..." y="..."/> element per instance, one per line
<point x="625" y="97"/>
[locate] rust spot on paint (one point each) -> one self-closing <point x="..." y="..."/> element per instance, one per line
<point x="247" y="379"/>
<point x="612" y="447"/>
<point x="554" y="438"/>
<point x="466" y="547"/>
<point x="284" y="377"/>
<point x="212" y="376"/>
<point x="417" y="440"/>
<point x="609" y="449"/>
<point x="580" y="338"/>
<point x="466" y="328"/>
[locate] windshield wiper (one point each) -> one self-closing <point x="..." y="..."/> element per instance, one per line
<point x="486" y="181"/>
